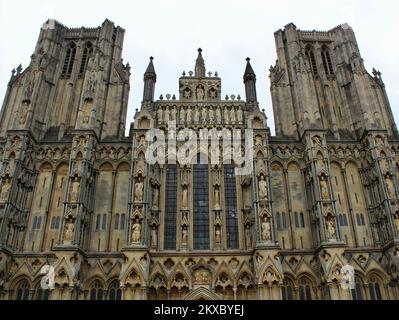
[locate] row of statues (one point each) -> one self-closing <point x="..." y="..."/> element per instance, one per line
<point x="190" y="115"/>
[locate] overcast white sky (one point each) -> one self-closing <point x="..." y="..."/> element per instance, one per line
<point x="227" y="30"/>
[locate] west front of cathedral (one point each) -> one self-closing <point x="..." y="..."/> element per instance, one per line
<point x="111" y="217"/>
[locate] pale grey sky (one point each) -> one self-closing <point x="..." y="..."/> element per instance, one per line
<point x="227" y="30"/>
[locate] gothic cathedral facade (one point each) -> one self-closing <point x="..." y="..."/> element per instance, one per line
<point x="79" y="196"/>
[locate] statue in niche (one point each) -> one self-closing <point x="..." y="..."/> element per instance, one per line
<point x="5" y="189"/>
<point x="160" y="115"/>
<point x="324" y="187"/>
<point x="204" y="114"/>
<point x="155" y="198"/>
<point x="211" y="115"/>
<point x="136" y="231"/>
<point x="69" y="230"/>
<point x="23" y="112"/>
<point x="196" y="116"/>
<point x="75" y="189"/>
<point x="226" y="115"/>
<point x="91" y="85"/>
<point x="141" y="167"/>
<point x="331" y="227"/>
<point x="185" y="198"/>
<point x="390" y="187"/>
<point x="142" y="141"/>
<point x="189" y="115"/>
<point x="173" y="113"/>
<point x="167" y="115"/>
<point x="182" y="115"/>
<point x="154" y="236"/>
<point x="258" y="141"/>
<point x="397" y="221"/>
<point x="184" y="236"/>
<point x="232" y="115"/>
<point x="218" y="116"/>
<point x="263" y="190"/>
<point x="139" y="191"/>
<point x="217" y="198"/>
<point x="200" y="93"/>
<point x="240" y="115"/>
<point x="248" y="236"/>
<point x="266" y="229"/>
<point x="379" y="142"/>
<point x="218" y="235"/>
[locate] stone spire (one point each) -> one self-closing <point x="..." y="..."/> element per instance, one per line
<point x="250" y="82"/>
<point x="200" y="65"/>
<point x="150" y="78"/>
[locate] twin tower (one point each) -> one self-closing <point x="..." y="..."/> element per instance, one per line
<point x="79" y="195"/>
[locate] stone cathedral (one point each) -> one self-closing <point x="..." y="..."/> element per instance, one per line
<point x="78" y="196"/>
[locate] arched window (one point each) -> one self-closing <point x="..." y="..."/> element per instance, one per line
<point x="96" y="291"/>
<point x="41" y="294"/>
<point x="278" y="219"/>
<point x="363" y="221"/>
<point x="114" y="291"/>
<point x="69" y="59"/>
<point x="170" y="208"/>
<point x="305" y="291"/>
<point x="345" y="219"/>
<point x="284" y="220"/>
<point x="312" y="60"/>
<point x="22" y="292"/>
<point x="53" y="223"/>
<point x="325" y="55"/>
<point x="116" y="226"/>
<point x="98" y="222"/>
<point x="231" y="207"/>
<point x="37" y="222"/>
<point x="375" y="288"/>
<point x="123" y="217"/>
<point x="341" y="220"/>
<point x="57" y="225"/>
<point x="302" y="219"/>
<point x="357" y="293"/>
<point x="287" y="290"/>
<point x="296" y="220"/>
<point x="201" y="204"/>
<point x="104" y="226"/>
<point x="87" y="51"/>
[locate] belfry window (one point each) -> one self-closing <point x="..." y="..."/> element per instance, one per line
<point x="170" y="208"/>
<point x="201" y="206"/>
<point x="69" y="59"/>
<point x="312" y="60"/>
<point x="231" y="207"/>
<point x="87" y="51"/>
<point x="328" y="68"/>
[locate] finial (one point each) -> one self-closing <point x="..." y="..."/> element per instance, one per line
<point x="151" y="58"/>
<point x="248" y="59"/>
<point x="199" y="50"/>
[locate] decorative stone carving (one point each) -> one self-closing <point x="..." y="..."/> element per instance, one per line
<point x="218" y="235"/>
<point x="217" y="198"/>
<point x="160" y="115"/>
<point x="136" y="232"/>
<point x="263" y="189"/>
<point x="185" y="198"/>
<point x="266" y="229"/>
<point x="184" y="236"/>
<point x="390" y="187"/>
<point x="5" y="189"/>
<point x="139" y="191"/>
<point x="200" y="93"/>
<point x="324" y="187"/>
<point x="69" y="230"/>
<point x="330" y="226"/>
<point x="75" y="189"/>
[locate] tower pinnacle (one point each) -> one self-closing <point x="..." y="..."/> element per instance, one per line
<point x="200" y="65"/>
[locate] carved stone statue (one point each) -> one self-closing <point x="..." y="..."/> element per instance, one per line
<point x="23" y="113"/>
<point x="182" y="116"/>
<point x="184" y="236"/>
<point x="204" y="114"/>
<point x="196" y="116"/>
<point x="200" y="93"/>
<point x="136" y="231"/>
<point x="258" y="141"/>
<point x="189" y="115"/>
<point x="69" y="229"/>
<point x="173" y="113"/>
<point x="75" y="190"/>
<point x="211" y="115"/>
<point x="218" y="235"/>
<point x="331" y="227"/>
<point x="232" y="115"/>
<point x="324" y="188"/>
<point x="263" y="189"/>
<point x="218" y="116"/>
<point x="397" y="222"/>
<point x="166" y="115"/>
<point x="139" y="191"/>
<point x="248" y="236"/>
<point x="185" y="198"/>
<point x="390" y="187"/>
<point x="160" y="115"/>
<point x="226" y="115"/>
<point x="266" y="230"/>
<point x="155" y="198"/>
<point x="5" y="189"/>
<point x="154" y="236"/>
<point x="240" y="116"/>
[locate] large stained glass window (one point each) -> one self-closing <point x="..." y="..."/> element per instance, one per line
<point x="170" y="208"/>
<point x="201" y="206"/>
<point x="231" y="207"/>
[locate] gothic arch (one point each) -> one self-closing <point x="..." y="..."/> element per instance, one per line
<point x="202" y="294"/>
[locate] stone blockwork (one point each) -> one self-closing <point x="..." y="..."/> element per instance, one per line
<point x="78" y="195"/>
